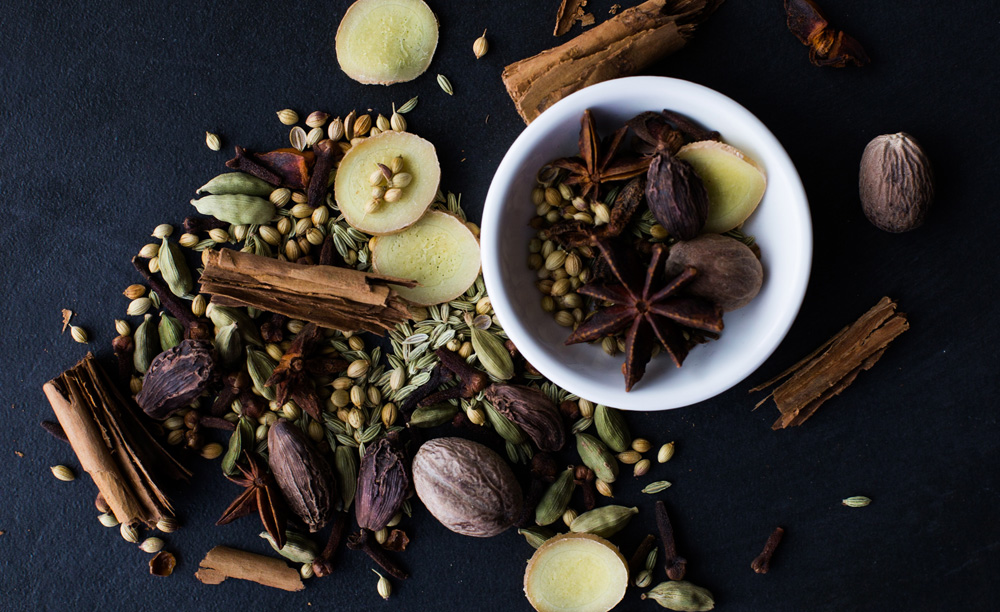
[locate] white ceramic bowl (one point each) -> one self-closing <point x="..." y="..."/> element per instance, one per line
<point x="781" y="225"/>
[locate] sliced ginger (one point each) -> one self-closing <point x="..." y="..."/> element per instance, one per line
<point x="386" y="41"/>
<point x="734" y="182"/>
<point x="577" y="572"/>
<point x="353" y="188"/>
<point x="440" y="252"/>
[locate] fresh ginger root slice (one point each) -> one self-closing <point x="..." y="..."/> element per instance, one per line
<point x="353" y="189"/>
<point x="382" y="42"/>
<point x="734" y="182"/>
<point x="439" y="251"/>
<point x="577" y="572"/>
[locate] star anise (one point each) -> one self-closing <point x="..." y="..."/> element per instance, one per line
<point x="640" y="306"/>
<point x="292" y="377"/>
<point x="261" y="493"/>
<point x="598" y="162"/>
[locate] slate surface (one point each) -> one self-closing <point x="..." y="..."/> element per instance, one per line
<point x="103" y="113"/>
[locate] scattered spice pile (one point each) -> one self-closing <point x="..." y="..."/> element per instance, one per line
<point x="671" y="205"/>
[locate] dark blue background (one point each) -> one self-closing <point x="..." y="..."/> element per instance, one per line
<point x="103" y="113"/>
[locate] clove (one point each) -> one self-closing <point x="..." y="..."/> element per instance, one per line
<point x="244" y="162"/>
<point x="472" y="380"/>
<point x="195" y="225"/>
<point x="363" y="541"/>
<point x="273" y="330"/>
<point x="323" y="565"/>
<point x="326" y="251"/>
<point x="675" y="564"/>
<point x="584" y="477"/>
<point x="124" y="347"/>
<point x="763" y="561"/>
<point x="55" y="430"/>
<point x="235" y="384"/>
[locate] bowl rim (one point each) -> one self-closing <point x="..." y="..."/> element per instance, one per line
<point x="596" y="96"/>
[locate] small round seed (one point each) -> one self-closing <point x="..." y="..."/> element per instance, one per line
<point x="63" y="473"/>
<point x="356" y="343"/>
<point x="211" y="450"/>
<point x="154" y="267"/>
<point x="129" y="533"/>
<point x="665" y="453"/>
<point x="552" y="196"/>
<point x="609" y="345"/>
<point x="384" y="587"/>
<point x="548" y="304"/>
<point x="480" y="46"/>
<point x="315" y="431"/>
<point x="465" y="351"/>
<point x="565" y="318"/>
<point x="565" y="191"/>
<point x="335" y="131"/>
<point x="188" y="240"/>
<point x="281" y="196"/>
<point x="641" y="445"/>
<point x="108" y="520"/>
<point x="644" y="579"/>
<point x="642" y="468"/>
<point x="355" y="419"/>
<point x="301" y="211"/>
<point x="358" y="396"/>
<point x="151" y="545"/>
<point x="586" y="408"/>
<point x="149" y="251"/>
<point x="78" y="334"/>
<point x="603" y="488"/>
<point x="555" y="260"/>
<point x="174" y="422"/>
<point x="269" y="235"/>
<point x="306" y="571"/>
<point x="397" y="122"/>
<point x="358" y="368"/>
<point x="288" y="117"/>
<point x="569" y="516"/>
<point x="317" y="119"/>
<point x="340" y="398"/>
<point x="629" y="457"/>
<point x="162" y="230"/>
<point x="320" y="216"/>
<point x="212" y="141"/>
<point x="658" y="232"/>
<point x="534" y="245"/>
<point x="122" y="327"/>
<point x="167" y="524"/>
<point x="134" y="291"/>
<point x="362" y="125"/>
<point x="342" y="382"/>
<point x="389" y="414"/>
<point x="476" y="416"/>
<point x="561" y="287"/>
<point x="393" y="195"/>
<point x="218" y="234"/>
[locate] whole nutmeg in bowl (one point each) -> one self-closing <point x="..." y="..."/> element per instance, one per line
<point x="466" y="486"/>
<point x="896" y="184"/>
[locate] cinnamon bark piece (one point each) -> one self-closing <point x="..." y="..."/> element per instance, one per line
<point x="621" y="46"/>
<point x="329" y="296"/>
<point x="223" y="562"/>
<point x="570" y="11"/>
<point x="830" y="369"/>
<point x="112" y="443"/>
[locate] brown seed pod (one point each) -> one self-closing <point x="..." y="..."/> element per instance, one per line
<point x="532" y="411"/>
<point x="896" y="183"/>
<point x="466" y="486"/>
<point x="729" y="274"/>
<point x="176" y="377"/>
<point x="676" y="196"/>
<point x="303" y="475"/>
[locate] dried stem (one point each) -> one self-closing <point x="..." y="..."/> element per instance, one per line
<point x="323" y="565"/>
<point x="638" y="561"/>
<point x="363" y="541"/>
<point x="675" y="564"/>
<point x="763" y="561"/>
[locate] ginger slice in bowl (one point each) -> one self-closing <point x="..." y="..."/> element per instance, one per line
<point x="439" y="251"/>
<point x="577" y="572"/>
<point x="382" y="42"/>
<point x="735" y="184"/>
<point x="352" y="186"/>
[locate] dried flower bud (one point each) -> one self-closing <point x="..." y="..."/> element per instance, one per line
<point x="532" y="411"/>
<point x="383" y="483"/>
<point x="176" y="377"/>
<point x="302" y="474"/>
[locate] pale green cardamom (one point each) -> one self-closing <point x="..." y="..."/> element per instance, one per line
<point x="261" y="366"/>
<point x="605" y="521"/>
<point x="241" y="439"/>
<point x="147" y="344"/>
<point x="229" y="344"/>
<point x="297" y="548"/>
<point x="536" y="536"/>
<point x="553" y="503"/>
<point x="171" y="332"/>
<point x="232" y="183"/>
<point x="504" y="426"/>
<point x="345" y="463"/>
<point x="682" y="596"/>
<point x="175" y="270"/>
<point x="597" y="457"/>
<point x="611" y="427"/>
<point x="433" y="416"/>
<point x="237" y="209"/>
<point x="223" y="315"/>
<point x="492" y="354"/>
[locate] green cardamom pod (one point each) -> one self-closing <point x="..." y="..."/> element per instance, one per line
<point x="237" y="183"/>
<point x="681" y="595"/>
<point x="297" y="548"/>
<point x="147" y="344"/>
<point x="597" y="457"/>
<point x="612" y="428"/>
<point x="432" y="416"/>
<point x="553" y="503"/>
<point x="261" y="366"/>
<point x="605" y="521"/>
<point x="229" y="345"/>
<point x="175" y="270"/>
<point x="536" y="536"/>
<point x="345" y="462"/>
<point x="241" y="439"/>
<point x="504" y="426"/>
<point x="237" y="209"/>
<point x="171" y="332"/>
<point x="491" y="352"/>
<point x="223" y="315"/>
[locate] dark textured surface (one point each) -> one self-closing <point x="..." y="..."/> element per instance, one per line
<point x="103" y="113"/>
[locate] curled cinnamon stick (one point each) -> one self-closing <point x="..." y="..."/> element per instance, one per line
<point x="223" y="562"/>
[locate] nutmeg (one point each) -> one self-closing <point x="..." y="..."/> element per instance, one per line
<point x="729" y="274"/>
<point x="896" y="183"/>
<point x="466" y="486"/>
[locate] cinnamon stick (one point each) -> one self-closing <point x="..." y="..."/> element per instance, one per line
<point x="223" y="562"/>
<point x="112" y="443"/>
<point x="830" y="369"/>
<point x="623" y="45"/>
<point x="570" y="11"/>
<point x="329" y="296"/>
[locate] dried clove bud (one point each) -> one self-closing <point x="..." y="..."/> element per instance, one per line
<point x="532" y="411"/>
<point x="676" y="196"/>
<point x="176" y="377"/>
<point x="302" y="474"/>
<point x="383" y="483"/>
